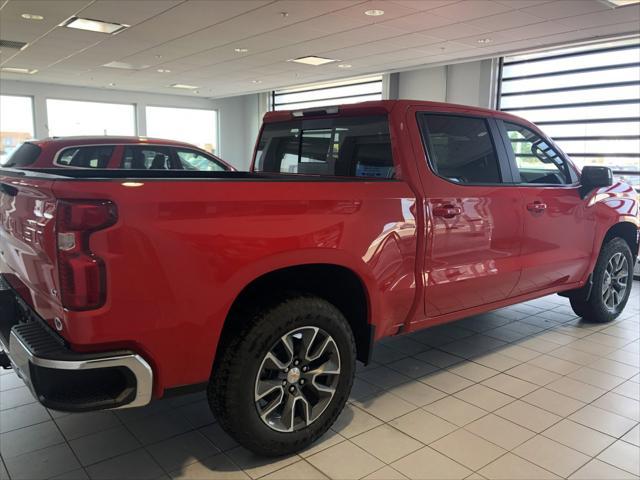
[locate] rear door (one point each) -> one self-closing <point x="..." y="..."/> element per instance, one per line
<point x="558" y="228"/>
<point x="474" y="213"/>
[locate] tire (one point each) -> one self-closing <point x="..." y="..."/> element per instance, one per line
<point x="602" y="307"/>
<point x="242" y="373"/>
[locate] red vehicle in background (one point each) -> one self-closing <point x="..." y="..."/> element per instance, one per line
<point x="356" y="223"/>
<point x="111" y="152"/>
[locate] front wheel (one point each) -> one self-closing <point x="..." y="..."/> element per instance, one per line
<point x="612" y="279"/>
<point x="284" y="377"/>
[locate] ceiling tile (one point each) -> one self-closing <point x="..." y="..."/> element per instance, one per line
<point x="463" y="11"/>
<point x="507" y="20"/>
<point x="608" y="17"/>
<point x="136" y="11"/>
<point x="565" y="8"/>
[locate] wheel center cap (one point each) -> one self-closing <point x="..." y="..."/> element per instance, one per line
<point x="293" y="375"/>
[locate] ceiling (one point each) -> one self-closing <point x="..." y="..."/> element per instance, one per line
<point x="196" y="39"/>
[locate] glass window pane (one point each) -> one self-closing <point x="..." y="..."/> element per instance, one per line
<point x="195" y="126"/>
<point x="86" y="157"/>
<point x="608" y="146"/>
<point x="326" y="103"/>
<point x="192" y="160"/>
<point x="333" y="93"/>
<point x="580" y="113"/>
<point x="460" y="149"/>
<point x="574" y="96"/>
<point x="592" y="129"/>
<point x="72" y="117"/>
<point x="16" y="124"/>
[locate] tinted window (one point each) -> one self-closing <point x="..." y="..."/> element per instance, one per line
<point x="24" y="155"/>
<point x="460" y="148"/>
<point x="537" y="161"/>
<point x="346" y="146"/>
<point x="193" y="160"/>
<point x="146" y="158"/>
<point x="86" y="157"/>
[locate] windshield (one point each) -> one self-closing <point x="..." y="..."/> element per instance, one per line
<point x="22" y="156"/>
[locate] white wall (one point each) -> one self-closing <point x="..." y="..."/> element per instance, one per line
<point x="423" y="84"/>
<point x="237" y="119"/>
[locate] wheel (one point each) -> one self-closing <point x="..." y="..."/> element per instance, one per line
<point x="284" y="377"/>
<point x="612" y="279"/>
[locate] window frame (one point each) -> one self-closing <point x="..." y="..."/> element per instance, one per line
<point x="504" y="165"/>
<point x="513" y="164"/>
<point x="56" y="158"/>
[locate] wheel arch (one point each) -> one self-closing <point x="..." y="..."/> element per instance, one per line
<point x="628" y="231"/>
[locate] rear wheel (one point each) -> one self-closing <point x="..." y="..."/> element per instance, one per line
<point x="612" y="278"/>
<point x="284" y="377"/>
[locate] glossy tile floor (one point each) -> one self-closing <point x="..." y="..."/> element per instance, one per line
<point x="524" y="392"/>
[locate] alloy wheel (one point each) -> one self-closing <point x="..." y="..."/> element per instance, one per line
<point x="614" y="282"/>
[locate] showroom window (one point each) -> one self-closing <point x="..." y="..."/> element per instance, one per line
<point x="73" y="117"/>
<point x="334" y="93"/>
<point x="16" y="124"/>
<point x="195" y="126"/>
<point x="586" y="98"/>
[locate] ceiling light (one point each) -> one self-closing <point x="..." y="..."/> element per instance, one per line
<point x="125" y="66"/>
<point x="184" y="86"/>
<point x="374" y="13"/>
<point x="32" y="16"/>
<point x="27" y="71"/>
<point x="256" y="82"/>
<point x="94" y="25"/>
<point x="241" y="50"/>
<point x="163" y="70"/>
<point x="112" y="84"/>
<point x="619" y="3"/>
<point x="313" y="60"/>
<point x="484" y="41"/>
<point x="345" y="65"/>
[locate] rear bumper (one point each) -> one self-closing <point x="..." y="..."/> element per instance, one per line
<point x="62" y="379"/>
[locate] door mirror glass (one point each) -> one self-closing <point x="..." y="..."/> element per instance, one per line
<point x="595" y="177"/>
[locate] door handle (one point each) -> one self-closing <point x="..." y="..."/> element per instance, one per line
<point x="446" y="211"/>
<point x="537" y="207"/>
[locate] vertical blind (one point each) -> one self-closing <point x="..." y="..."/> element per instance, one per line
<point x="587" y="98"/>
<point x="334" y="93"/>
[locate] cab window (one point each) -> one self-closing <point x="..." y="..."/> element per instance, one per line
<point x="193" y="160"/>
<point x="146" y="158"/>
<point x="86" y="157"/>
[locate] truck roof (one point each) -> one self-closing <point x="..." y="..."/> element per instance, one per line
<point x="109" y="139"/>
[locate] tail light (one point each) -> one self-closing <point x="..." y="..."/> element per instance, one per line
<point x="82" y="273"/>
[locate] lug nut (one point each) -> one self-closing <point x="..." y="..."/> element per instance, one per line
<point x="296" y="362"/>
<point x="305" y="368"/>
<point x="286" y="370"/>
<point x="302" y="381"/>
<point x="284" y="383"/>
<point x="292" y="389"/>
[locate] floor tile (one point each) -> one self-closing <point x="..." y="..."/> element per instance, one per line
<point x="614" y="368"/>
<point x="386" y="406"/>
<point x="80" y="424"/>
<point x="633" y="436"/>
<point x="102" y="445"/>
<point x="198" y="413"/>
<point x="551" y="455"/>
<point x="385" y="473"/>
<point x="383" y="377"/>
<point x="456" y="411"/>
<point x="22" y="416"/>
<point x="629" y="389"/>
<point x="473" y="371"/>
<point x="426" y="464"/>
<point x="603" y="421"/>
<point x="555" y="364"/>
<point x="576" y="389"/>
<point x="596" y="378"/>
<point x="468" y="449"/>
<point x="45" y="463"/>
<point x="423" y="426"/>
<point x="623" y="456"/>
<point x="353" y="421"/>
<point x="553" y="402"/>
<point x="580" y="438"/>
<point x="510" y="385"/>
<point x="511" y="467"/>
<point x="519" y="352"/>
<point x="532" y="374"/>
<point x="528" y="416"/>
<point x="218" y="437"/>
<point x="257" y="466"/>
<point x="484" y="397"/>
<point x="217" y="467"/>
<point x="386" y="443"/>
<point x="417" y="393"/>
<point x="28" y="439"/>
<point x="412" y="367"/>
<point x="345" y="461"/>
<point x="613" y="402"/>
<point x="78" y="474"/>
<point x="362" y="390"/>
<point x="301" y="470"/>
<point x="439" y="358"/>
<point x="503" y="433"/>
<point x="159" y="426"/>
<point x="497" y="361"/>
<point x="137" y="464"/>
<point x="329" y="439"/>
<point x="182" y="450"/>
<point x="598" y="470"/>
<point x="446" y="381"/>
<point x="15" y="397"/>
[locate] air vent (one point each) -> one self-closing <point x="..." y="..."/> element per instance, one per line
<point x="12" y="44"/>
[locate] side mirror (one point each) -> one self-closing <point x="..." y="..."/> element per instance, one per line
<point x="595" y="177"/>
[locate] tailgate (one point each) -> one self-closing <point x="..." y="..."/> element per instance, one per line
<point x="27" y="242"/>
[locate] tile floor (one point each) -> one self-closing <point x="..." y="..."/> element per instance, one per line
<point x="525" y="392"/>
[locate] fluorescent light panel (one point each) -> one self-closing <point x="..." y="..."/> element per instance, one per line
<point x="184" y="86"/>
<point x="125" y="66"/>
<point x="28" y="71"/>
<point x="94" y="25"/>
<point x="313" y="60"/>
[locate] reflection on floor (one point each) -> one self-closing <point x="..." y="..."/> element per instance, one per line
<point x="527" y="391"/>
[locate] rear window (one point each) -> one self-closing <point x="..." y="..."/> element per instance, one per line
<point x="96" y="156"/>
<point x="345" y="146"/>
<point x="24" y="155"/>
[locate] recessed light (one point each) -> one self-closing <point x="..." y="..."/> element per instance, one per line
<point x="112" y="84"/>
<point x="484" y="41"/>
<point x="345" y="65"/>
<point x="241" y="50"/>
<point x="313" y="60"/>
<point x="94" y="25"/>
<point x="125" y="66"/>
<point x="374" y="13"/>
<point x="163" y="70"/>
<point x="32" y="16"/>
<point x="619" y="3"/>
<point x="27" y="71"/>
<point x="256" y="82"/>
<point x="157" y="56"/>
<point x="184" y="86"/>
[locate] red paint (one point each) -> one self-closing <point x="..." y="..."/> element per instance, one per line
<point x="427" y="250"/>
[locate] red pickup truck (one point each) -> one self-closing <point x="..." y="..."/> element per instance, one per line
<point x="355" y="223"/>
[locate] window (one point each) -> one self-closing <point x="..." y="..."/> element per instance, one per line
<point x="537" y="161"/>
<point x="192" y="160"/>
<point x="86" y="157"/>
<point x="587" y="98"/>
<point x="16" y="124"/>
<point x="194" y="126"/>
<point x="347" y="146"/>
<point x="71" y="117"/>
<point x="460" y="148"/>
<point x="334" y="93"/>
<point x="23" y="156"/>
<point x="146" y="158"/>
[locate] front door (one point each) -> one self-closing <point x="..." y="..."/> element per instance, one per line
<point x="474" y="214"/>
